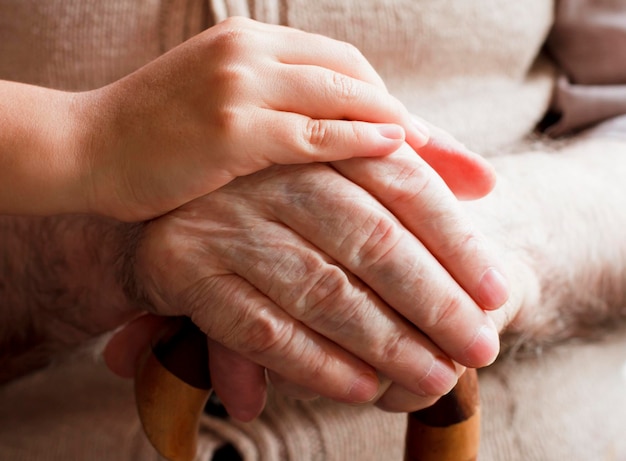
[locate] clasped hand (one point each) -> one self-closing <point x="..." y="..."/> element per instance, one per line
<point x="360" y="280"/>
<point x="331" y="278"/>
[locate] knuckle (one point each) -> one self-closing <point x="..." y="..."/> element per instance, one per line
<point x="317" y="365"/>
<point x="233" y="79"/>
<point x="361" y="68"/>
<point x="326" y="300"/>
<point x="379" y="236"/>
<point x="261" y="334"/>
<point x="408" y="182"/>
<point x="232" y="40"/>
<point x="394" y="351"/>
<point x="443" y="314"/>
<point x="231" y="34"/>
<point x="227" y="42"/>
<point x="230" y="109"/>
<point x="333" y="317"/>
<point x="466" y="241"/>
<point x="317" y="134"/>
<point x="290" y="388"/>
<point x="301" y="186"/>
<point x="344" y="88"/>
<point x="322" y="296"/>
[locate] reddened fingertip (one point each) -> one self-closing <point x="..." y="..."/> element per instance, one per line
<point x="420" y="132"/>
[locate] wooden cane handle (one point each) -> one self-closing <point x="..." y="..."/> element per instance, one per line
<point x="450" y="429"/>
<point x="172" y="385"/>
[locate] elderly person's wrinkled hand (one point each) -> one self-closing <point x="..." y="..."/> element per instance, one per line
<point x="331" y="278"/>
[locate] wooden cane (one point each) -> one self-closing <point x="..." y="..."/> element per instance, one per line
<point x="450" y="429"/>
<point x="172" y="385"/>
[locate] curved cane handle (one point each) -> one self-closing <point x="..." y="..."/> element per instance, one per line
<point x="450" y="429"/>
<point x="172" y="386"/>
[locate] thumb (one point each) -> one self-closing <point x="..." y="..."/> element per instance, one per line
<point x="239" y="383"/>
<point x="468" y="175"/>
<point x="129" y="343"/>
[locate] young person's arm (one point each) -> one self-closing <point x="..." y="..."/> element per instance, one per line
<point x="237" y="98"/>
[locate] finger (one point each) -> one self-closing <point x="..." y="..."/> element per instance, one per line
<point x="318" y="293"/>
<point x="252" y="326"/>
<point x="357" y="231"/>
<point x="305" y="48"/>
<point x="410" y="189"/>
<point x="126" y="345"/>
<point x="290" y="389"/>
<point x="397" y="399"/>
<point x="293" y="138"/>
<point x="322" y="93"/>
<point x="343" y="59"/>
<point x="239" y="383"/>
<point x="466" y="173"/>
<point x="293" y="46"/>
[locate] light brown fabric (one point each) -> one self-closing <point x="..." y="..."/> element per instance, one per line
<point x="470" y="67"/>
<point x="473" y="67"/>
<point x="79" y="44"/>
<point x="568" y="403"/>
<point x="458" y="64"/>
<point x="77" y="410"/>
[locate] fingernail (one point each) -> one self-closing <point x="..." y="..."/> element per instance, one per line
<point x="394" y="132"/>
<point x="440" y="379"/>
<point x="364" y="388"/>
<point x="493" y="289"/>
<point x="485" y="346"/>
<point x="421" y="127"/>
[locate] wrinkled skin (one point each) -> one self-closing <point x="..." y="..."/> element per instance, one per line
<point x="305" y="271"/>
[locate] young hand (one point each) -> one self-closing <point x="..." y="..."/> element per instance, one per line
<point x="233" y="100"/>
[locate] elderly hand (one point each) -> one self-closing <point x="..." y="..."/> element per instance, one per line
<point x="300" y="271"/>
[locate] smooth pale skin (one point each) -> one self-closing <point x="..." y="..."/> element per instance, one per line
<point x="206" y="112"/>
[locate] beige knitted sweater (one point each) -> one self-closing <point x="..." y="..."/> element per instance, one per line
<point x="472" y="67"/>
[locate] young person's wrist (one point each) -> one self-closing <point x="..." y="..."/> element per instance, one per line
<point x="92" y="140"/>
<point x="112" y="146"/>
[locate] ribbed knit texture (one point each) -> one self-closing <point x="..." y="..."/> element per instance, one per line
<point x="79" y="45"/>
<point x="567" y="404"/>
<point x="473" y="67"/>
